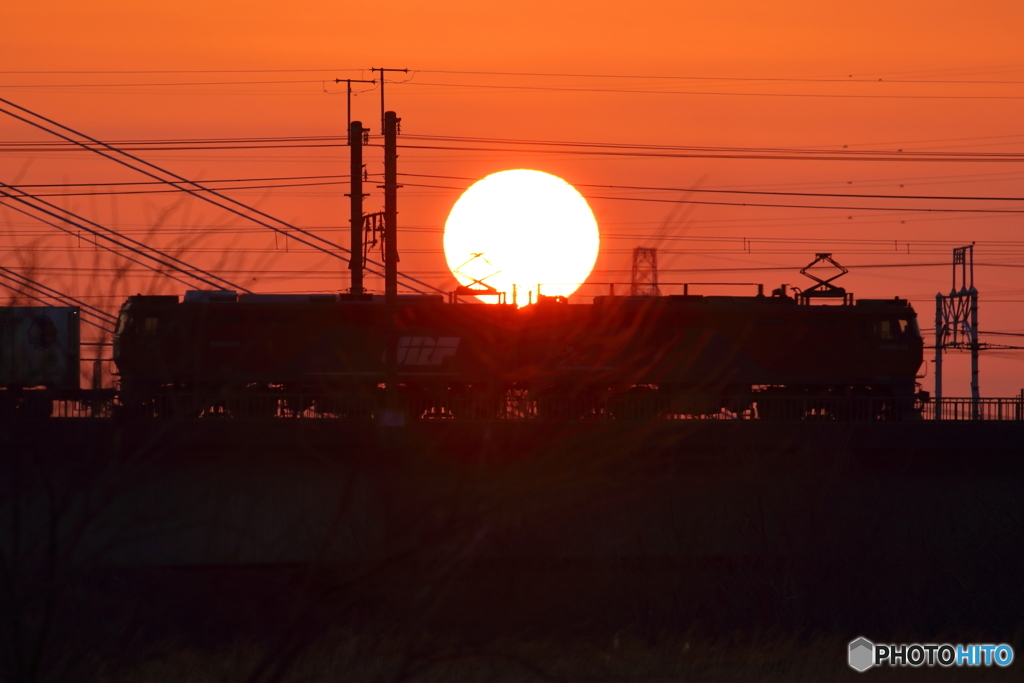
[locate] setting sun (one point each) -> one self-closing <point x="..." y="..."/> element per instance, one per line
<point x="521" y="228"/>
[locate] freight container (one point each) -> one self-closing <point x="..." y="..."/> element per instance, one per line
<point x="39" y="348"/>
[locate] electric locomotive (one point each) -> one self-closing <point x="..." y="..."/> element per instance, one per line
<point x="619" y="356"/>
<point x="693" y="354"/>
<point x="324" y="350"/>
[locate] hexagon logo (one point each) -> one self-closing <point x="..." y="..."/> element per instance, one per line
<point x="862" y="654"/>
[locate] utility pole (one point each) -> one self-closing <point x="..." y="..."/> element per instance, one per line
<point x="382" y="79"/>
<point x="348" y="107"/>
<point x="355" y="264"/>
<point x="355" y="130"/>
<point x="391" y="123"/>
<point x="394" y="415"/>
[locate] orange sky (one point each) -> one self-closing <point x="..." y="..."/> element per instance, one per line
<point x="930" y="57"/>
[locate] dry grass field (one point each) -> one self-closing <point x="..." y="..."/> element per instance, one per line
<point x="345" y="656"/>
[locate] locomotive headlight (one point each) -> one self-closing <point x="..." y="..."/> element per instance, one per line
<point x="522" y="228"/>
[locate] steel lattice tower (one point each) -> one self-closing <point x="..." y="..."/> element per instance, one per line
<point x="956" y="323"/>
<point x="645" y="272"/>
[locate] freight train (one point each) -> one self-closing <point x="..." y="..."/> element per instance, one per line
<point x="774" y="356"/>
<point x="39" y="348"/>
<point x="619" y="356"/>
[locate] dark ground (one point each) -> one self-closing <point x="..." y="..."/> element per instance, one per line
<point x="127" y="542"/>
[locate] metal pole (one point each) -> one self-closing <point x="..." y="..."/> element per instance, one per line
<point x="394" y="417"/>
<point x="975" y="392"/>
<point x="390" y="207"/>
<point x="383" y="74"/>
<point x="355" y="264"/>
<point x="348" y="100"/>
<point x="938" y="356"/>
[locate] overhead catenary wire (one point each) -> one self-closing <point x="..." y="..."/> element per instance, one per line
<point x="754" y="79"/>
<point x="45" y="290"/>
<point x="322" y="180"/>
<point x="849" y="78"/>
<point x="716" y="93"/>
<point x="787" y="155"/>
<point x="158" y="182"/>
<point x="781" y="193"/>
<point x="96" y="244"/>
<point x="807" y="150"/>
<point x="177" y="190"/>
<point x="198" y="190"/>
<point x="563" y="147"/>
<point x="831" y="207"/>
<point x="122" y="242"/>
<point x="19" y="291"/>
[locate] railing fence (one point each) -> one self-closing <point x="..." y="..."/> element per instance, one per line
<point x="250" y="405"/>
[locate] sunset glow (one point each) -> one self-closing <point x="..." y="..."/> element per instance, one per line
<point x="737" y="138"/>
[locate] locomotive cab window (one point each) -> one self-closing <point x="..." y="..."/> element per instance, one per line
<point x="884" y="329"/>
<point x="149" y="326"/>
<point x="897" y="329"/>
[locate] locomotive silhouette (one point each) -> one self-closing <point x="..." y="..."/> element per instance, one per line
<point x="619" y="356"/>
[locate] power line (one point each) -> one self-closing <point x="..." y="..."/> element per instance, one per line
<point x="777" y="156"/>
<point x="562" y="147"/>
<point x="702" y="148"/>
<point x="754" y="79"/>
<point x="807" y="206"/>
<point x="336" y="178"/>
<point x="744" y="79"/>
<point x="160" y="182"/>
<point x="636" y="151"/>
<point x="146" y="85"/>
<point x="831" y="195"/>
<point x="66" y="216"/>
<point x="194" y="188"/>
<point x="178" y="71"/>
<point x="771" y="206"/>
<point x="20" y="291"/>
<point x="178" y="190"/>
<point x="337" y="138"/>
<point x="716" y="93"/>
<point x="845" y="195"/>
<point x="50" y="292"/>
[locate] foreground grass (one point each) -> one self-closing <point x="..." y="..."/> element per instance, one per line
<point x="345" y="656"/>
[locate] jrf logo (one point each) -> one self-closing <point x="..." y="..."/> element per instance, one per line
<point x="426" y="350"/>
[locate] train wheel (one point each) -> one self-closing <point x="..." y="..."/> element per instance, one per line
<point x="780" y="408"/>
<point x="178" y="404"/>
<point x="295" y="406"/>
<point x="555" y="407"/>
<point x="37" y="404"/>
<point x="596" y="406"/>
<point x="253" y="401"/>
<point x="640" y="403"/>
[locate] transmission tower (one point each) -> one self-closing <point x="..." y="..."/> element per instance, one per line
<point x="956" y="324"/>
<point x="645" y="272"/>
